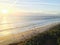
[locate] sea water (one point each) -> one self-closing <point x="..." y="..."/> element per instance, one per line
<point x="16" y="24"/>
<point x="20" y="23"/>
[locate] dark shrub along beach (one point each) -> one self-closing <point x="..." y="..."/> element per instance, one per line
<point x="49" y="37"/>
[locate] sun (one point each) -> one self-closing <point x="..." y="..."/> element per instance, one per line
<point x="4" y="11"/>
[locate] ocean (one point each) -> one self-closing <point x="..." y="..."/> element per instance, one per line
<point x="10" y="25"/>
<point x="20" y="23"/>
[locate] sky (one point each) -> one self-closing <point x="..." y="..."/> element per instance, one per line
<point x="31" y="6"/>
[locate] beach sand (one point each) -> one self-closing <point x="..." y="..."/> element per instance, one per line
<point x="22" y="37"/>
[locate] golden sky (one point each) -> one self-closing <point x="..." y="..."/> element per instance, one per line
<point x="29" y="6"/>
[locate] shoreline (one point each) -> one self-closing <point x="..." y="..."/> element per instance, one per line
<point x="33" y="32"/>
<point x="22" y="36"/>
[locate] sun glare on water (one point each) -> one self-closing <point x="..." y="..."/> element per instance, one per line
<point x="4" y="11"/>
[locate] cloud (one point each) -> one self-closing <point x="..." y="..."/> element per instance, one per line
<point x="7" y="1"/>
<point x="28" y="2"/>
<point x="32" y="5"/>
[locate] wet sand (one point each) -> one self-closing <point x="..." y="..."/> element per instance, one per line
<point x="23" y="36"/>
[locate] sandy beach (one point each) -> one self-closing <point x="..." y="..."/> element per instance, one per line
<point x="17" y="38"/>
